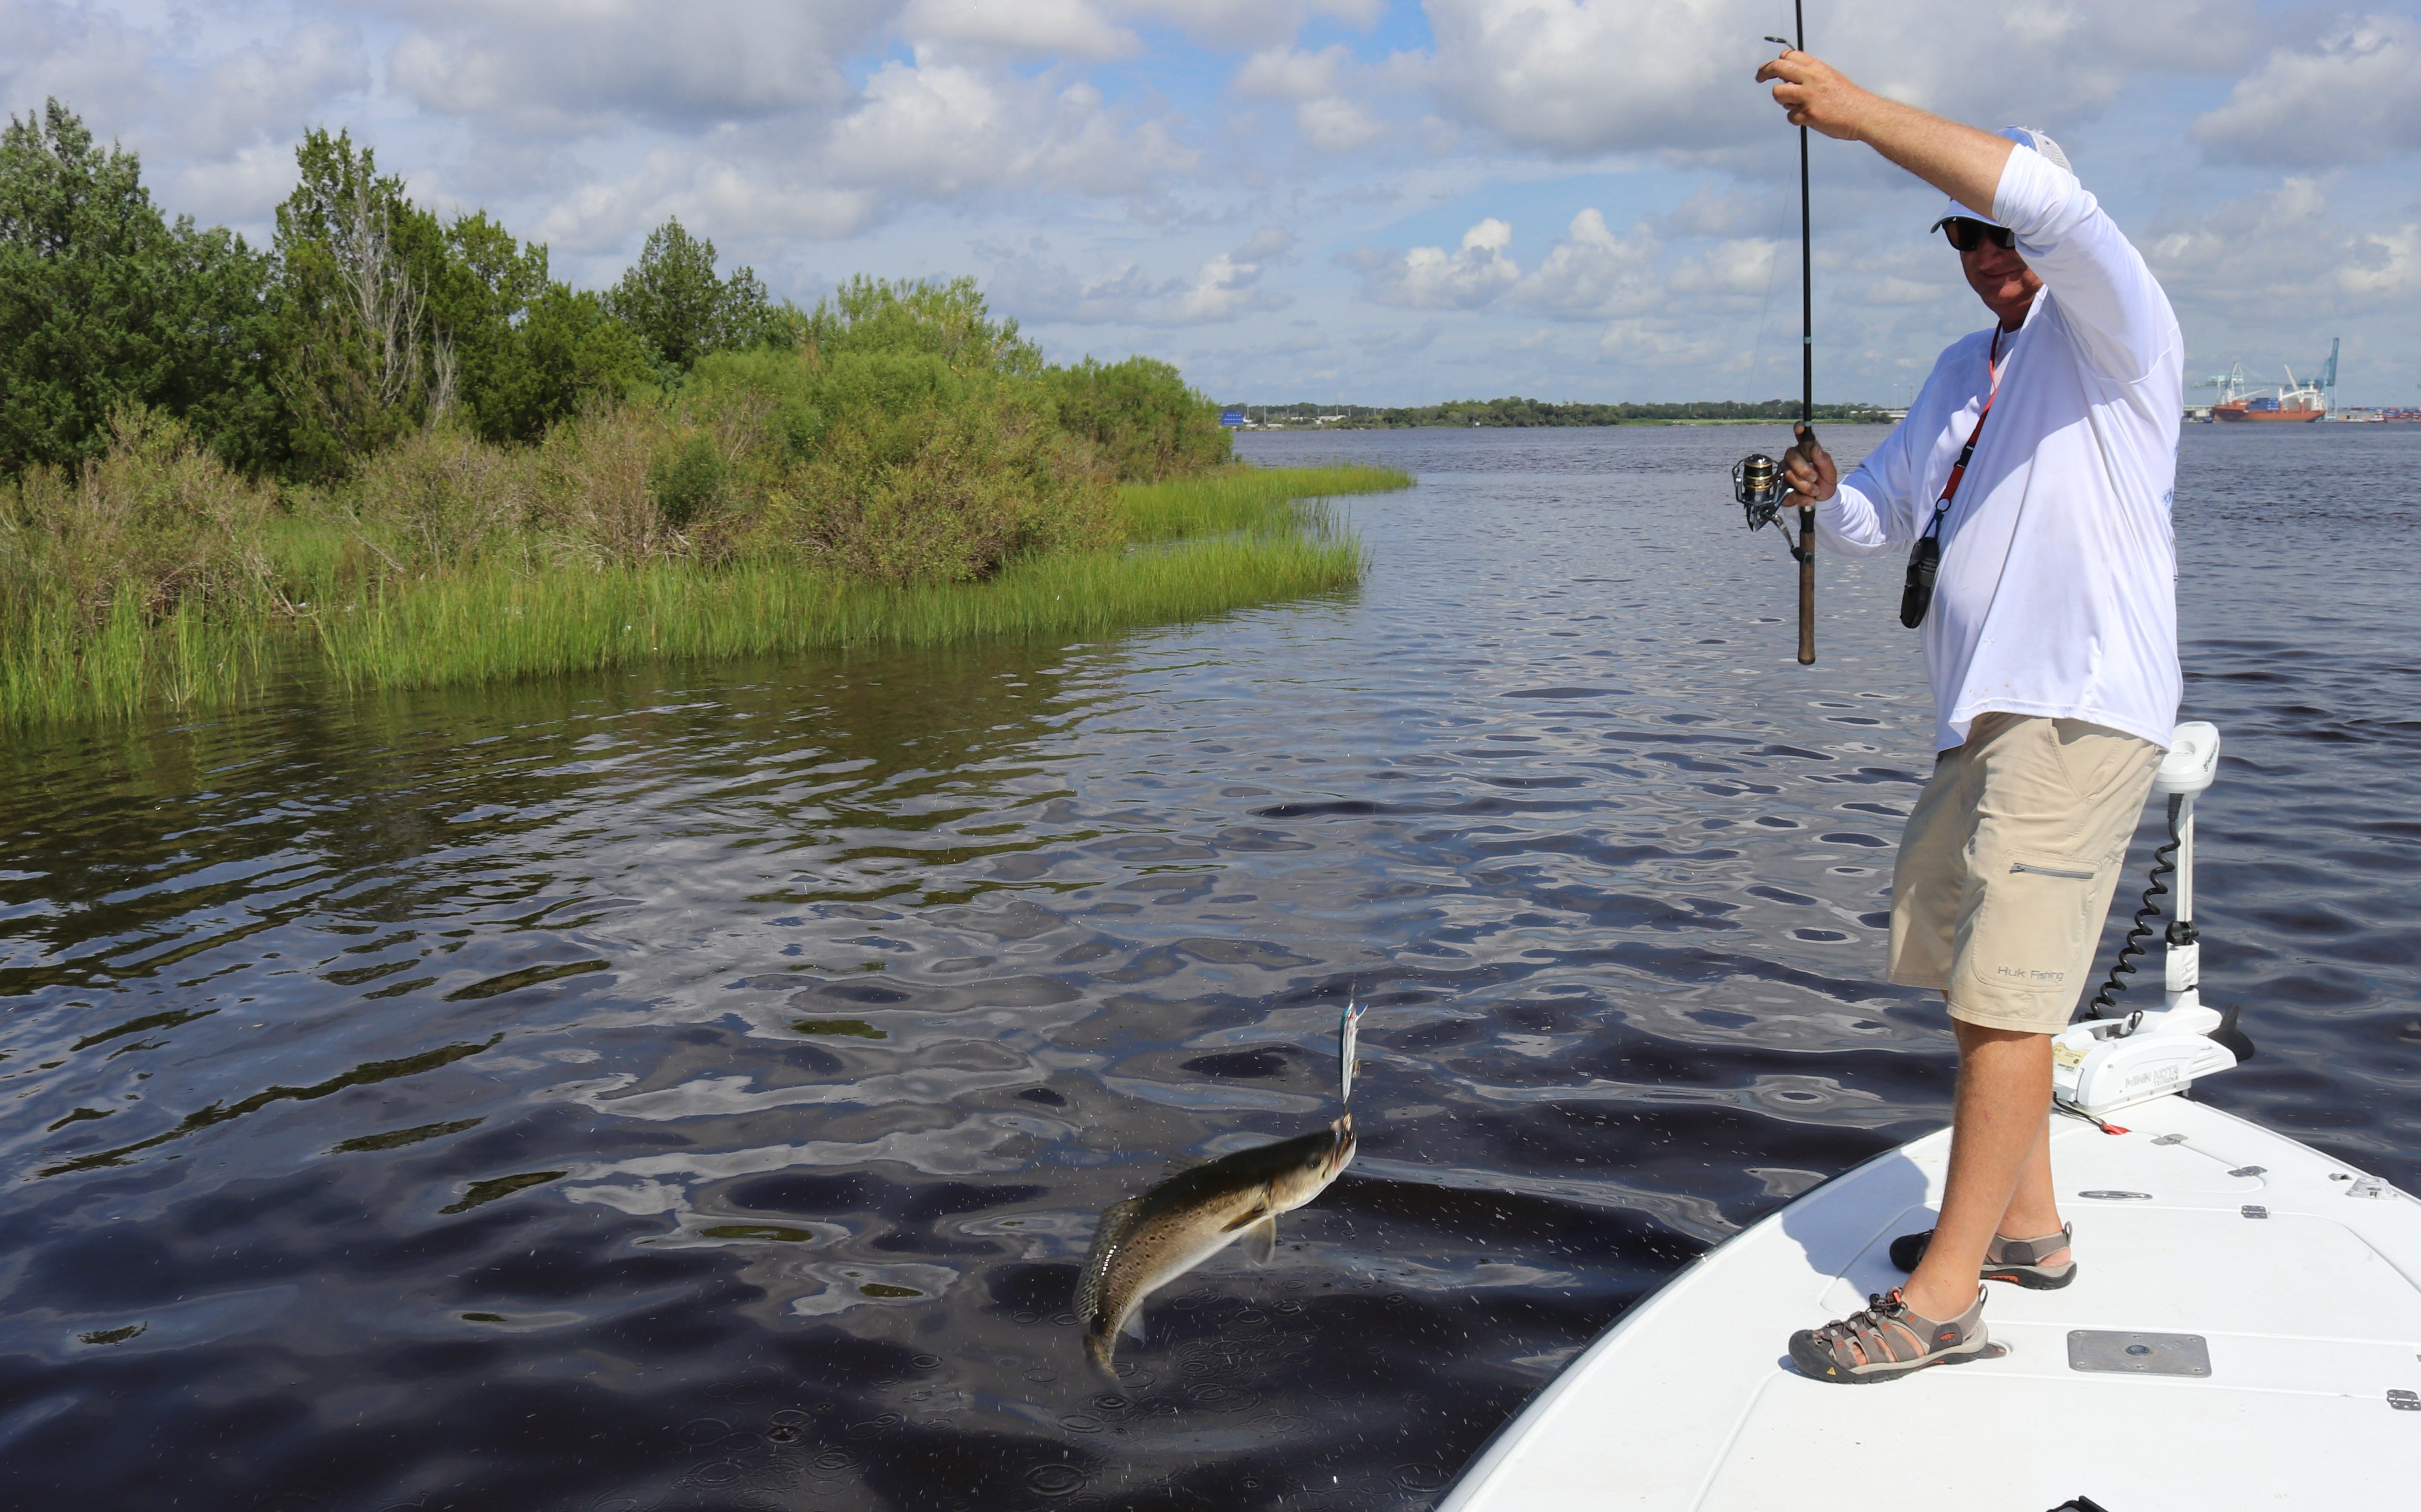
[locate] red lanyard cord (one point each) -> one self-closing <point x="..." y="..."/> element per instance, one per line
<point x="1959" y="468"/>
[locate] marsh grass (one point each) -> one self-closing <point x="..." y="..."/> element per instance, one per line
<point x="1263" y="500"/>
<point x="57" y="665"/>
<point x="493" y="625"/>
<point x="422" y="598"/>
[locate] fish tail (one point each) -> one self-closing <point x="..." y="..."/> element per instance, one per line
<point x="1099" y="1344"/>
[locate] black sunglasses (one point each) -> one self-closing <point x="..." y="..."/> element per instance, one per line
<point x="1968" y="235"/>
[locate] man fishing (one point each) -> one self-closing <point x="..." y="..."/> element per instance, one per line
<point x="2041" y="458"/>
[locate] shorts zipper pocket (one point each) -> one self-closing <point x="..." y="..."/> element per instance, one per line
<point x="2050" y="872"/>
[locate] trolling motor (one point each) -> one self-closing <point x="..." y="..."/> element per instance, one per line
<point x="1757" y="484"/>
<point x="2105" y="1064"/>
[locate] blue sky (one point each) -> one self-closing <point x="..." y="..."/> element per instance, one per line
<point x="1365" y="200"/>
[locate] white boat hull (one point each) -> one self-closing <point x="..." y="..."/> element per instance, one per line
<point x="2310" y="1317"/>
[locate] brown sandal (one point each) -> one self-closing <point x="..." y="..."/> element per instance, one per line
<point x="1884" y="1341"/>
<point x="2018" y="1261"/>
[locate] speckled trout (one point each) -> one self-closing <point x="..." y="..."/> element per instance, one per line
<point x="1146" y="1242"/>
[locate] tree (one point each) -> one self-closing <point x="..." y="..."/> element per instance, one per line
<point x="362" y="364"/>
<point x="566" y="352"/>
<point x="672" y="298"/>
<point x="947" y="321"/>
<point x="104" y="304"/>
<point x="1141" y="415"/>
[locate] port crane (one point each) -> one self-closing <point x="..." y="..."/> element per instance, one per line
<point x="2232" y="384"/>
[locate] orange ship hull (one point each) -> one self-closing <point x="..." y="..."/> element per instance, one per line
<point x="2246" y="412"/>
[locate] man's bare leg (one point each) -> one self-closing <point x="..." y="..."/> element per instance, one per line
<point x="2000" y="1163"/>
<point x="2034" y="1208"/>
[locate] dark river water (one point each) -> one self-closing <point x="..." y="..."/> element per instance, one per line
<point x="696" y="1088"/>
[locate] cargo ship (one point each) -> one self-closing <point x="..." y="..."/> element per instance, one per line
<point x="2288" y="406"/>
<point x="2292" y="404"/>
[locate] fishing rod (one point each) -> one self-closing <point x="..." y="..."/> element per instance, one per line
<point x="1758" y="483"/>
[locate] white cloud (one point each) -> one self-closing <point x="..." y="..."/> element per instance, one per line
<point x="1321" y="85"/>
<point x="940" y="130"/>
<point x="1592" y="274"/>
<point x="2382" y="266"/>
<point x="1583" y="77"/>
<point x="1065" y="28"/>
<point x="2236" y="247"/>
<point x="921" y="133"/>
<point x="1730" y="271"/>
<point x="257" y="92"/>
<point x="1035" y="288"/>
<point x="1229" y="23"/>
<point x="92" y="62"/>
<point x="1283" y="73"/>
<point x="1336" y="125"/>
<point x="2356" y="97"/>
<point x="566" y="66"/>
<point x="2224" y="269"/>
<point x="1225" y="289"/>
<point x="1647" y="342"/>
<point x="1430" y="278"/>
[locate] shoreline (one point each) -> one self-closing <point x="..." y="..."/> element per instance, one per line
<point x="1189" y="548"/>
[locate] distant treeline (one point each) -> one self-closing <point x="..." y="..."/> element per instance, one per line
<point x="1521" y="411"/>
<point x="369" y="320"/>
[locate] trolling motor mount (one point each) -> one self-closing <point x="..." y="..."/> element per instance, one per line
<point x="2102" y="1064"/>
<point x="1759" y="487"/>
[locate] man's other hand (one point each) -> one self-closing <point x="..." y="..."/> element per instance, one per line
<point x="1808" y="469"/>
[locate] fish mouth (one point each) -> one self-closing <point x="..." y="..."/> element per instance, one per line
<point x="1342" y="1148"/>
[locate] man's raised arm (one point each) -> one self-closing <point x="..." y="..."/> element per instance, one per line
<point x="2101" y="280"/>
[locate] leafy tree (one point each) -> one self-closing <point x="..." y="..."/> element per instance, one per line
<point x="1141" y="415"/>
<point x="477" y="293"/>
<point x="104" y="304"/>
<point x="362" y="364"/>
<point x="566" y="352"/>
<point x="672" y="298"/>
<point x="947" y="321"/>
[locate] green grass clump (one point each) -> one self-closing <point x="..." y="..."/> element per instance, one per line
<point x="494" y="625"/>
<point x="1261" y="499"/>
<point x="452" y="564"/>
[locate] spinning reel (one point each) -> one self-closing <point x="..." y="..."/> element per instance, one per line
<point x="1757" y="485"/>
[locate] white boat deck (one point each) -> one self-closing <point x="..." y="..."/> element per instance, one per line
<point x="2297" y="1272"/>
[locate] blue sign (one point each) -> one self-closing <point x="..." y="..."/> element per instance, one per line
<point x="1231" y="417"/>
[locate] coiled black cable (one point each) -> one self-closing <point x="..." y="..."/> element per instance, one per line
<point x="2165" y="865"/>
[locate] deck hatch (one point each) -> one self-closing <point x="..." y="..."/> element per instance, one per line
<point x="2138" y="1354"/>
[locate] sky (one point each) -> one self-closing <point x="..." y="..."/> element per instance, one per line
<point x="1364" y="201"/>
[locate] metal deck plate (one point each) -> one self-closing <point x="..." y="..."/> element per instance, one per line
<point x="2138" y="1354"/>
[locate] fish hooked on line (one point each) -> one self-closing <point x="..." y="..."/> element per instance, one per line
<point x="1146" y="1242"/>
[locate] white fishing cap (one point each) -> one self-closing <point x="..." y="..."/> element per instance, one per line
<point x="2033" y="137"/>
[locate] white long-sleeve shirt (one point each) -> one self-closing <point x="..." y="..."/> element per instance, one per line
<point x="2057" y="593"/>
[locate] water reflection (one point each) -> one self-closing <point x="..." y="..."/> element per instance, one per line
<point x="1144" y="1242"/>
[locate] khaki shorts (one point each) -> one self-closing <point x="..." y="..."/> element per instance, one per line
<point x="2007" y="865"/>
